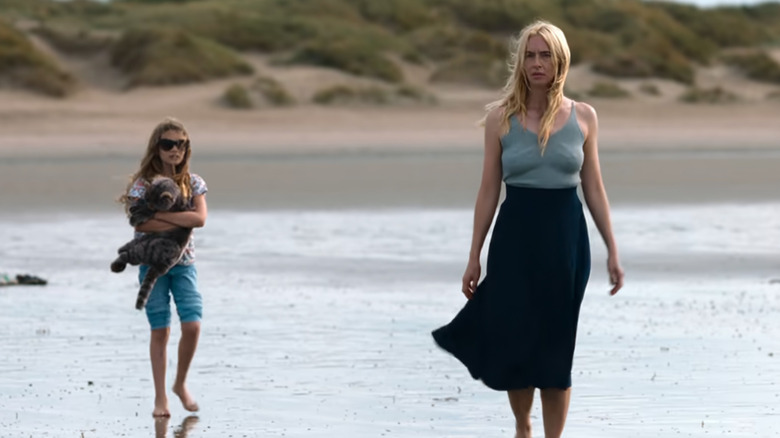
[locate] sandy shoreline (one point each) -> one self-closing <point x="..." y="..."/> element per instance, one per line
<point x="98" y="122"/>
<point x="76" y="154"/>
<point x="393" y="179"/>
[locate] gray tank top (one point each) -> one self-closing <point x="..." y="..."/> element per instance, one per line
<point x="523" y="164"/>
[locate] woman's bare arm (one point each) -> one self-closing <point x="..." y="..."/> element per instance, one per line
<point x="596" y="195"/>
<point x="487" y="200"/>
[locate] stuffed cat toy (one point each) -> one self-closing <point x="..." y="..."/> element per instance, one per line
<point x="162" y="250"/>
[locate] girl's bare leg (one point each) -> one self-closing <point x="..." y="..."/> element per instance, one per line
<point x="158" y="354"/>
<point x="521" y="401"/>
<point x="190" y="332"/>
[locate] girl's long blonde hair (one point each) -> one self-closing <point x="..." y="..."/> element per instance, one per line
<point x="152" y="165"/>
<point x="515" y="91"/>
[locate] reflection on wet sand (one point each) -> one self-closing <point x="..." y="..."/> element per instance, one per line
<point x="161" y="427"/>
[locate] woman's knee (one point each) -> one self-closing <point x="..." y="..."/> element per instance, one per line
<point x="521" y="399"/>
<point x="555" y="395"/>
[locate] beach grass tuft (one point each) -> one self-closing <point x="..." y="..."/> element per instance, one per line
<point x="610" y="90"/>
<point x="273" y="91"/>
<point x="346" y="95"/>
<point x="650" y="89"/>
<point x="350" y="56"/>
<point x="646" y="59"/>
<point x="165" y="57"/>
<point x="263" y="91"/>
<point x="472" y="69"/>
<point x="756" y="65"/>
<point x="415" y="94"/>
<point x="708" y="95"/>
<point x="236" y="96"/>
<point x="74" y="41"/>
<point x="399" y="15"/>
<point x="445" y="42"/>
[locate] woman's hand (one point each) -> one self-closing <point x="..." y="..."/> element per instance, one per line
<point x="471" y="278"/>
<point x="615" y="274"/>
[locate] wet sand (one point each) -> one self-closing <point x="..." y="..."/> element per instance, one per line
<point x="380" y="180"/>
<point x="308" y="335"/>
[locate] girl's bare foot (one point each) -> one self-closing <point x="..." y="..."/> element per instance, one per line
<point x="187" y="401"/>
<point x="161" y="407"/>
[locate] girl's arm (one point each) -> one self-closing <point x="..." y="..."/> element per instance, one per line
<point x="195" y="218"/>
<point x="487" y="200"/>
<point x="596" y="195"/>
<point x="150" y="225"/>
<point x="155" y="226"/>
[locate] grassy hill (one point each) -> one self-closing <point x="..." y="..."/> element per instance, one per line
<point x="22" y="64"/>
<point x="156" y="42"/>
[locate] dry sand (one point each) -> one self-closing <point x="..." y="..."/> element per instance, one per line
<point x="77" y="153"/>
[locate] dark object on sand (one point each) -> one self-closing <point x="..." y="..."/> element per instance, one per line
<point x="21" y="279"/>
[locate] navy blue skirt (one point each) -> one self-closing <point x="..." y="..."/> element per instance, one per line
<point x="519" y="330"/>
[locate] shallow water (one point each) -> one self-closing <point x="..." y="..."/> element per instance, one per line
<point x="317" y="324"/>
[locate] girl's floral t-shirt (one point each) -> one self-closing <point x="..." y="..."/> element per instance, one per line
<point x="198" y="186"/>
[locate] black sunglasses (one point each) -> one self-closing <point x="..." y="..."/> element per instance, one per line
<point x="167" y="144"/>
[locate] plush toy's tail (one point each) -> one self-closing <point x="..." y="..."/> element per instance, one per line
<point x="152" y="274"/>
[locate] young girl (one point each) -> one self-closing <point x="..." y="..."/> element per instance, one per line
<point x="168" y="154"/>
<point x="517" y="331"/>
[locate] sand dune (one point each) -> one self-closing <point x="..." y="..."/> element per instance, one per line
<point x="103" y="113"/>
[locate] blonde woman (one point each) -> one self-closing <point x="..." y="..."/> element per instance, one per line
<point x="168" y="154"/>
<point x="517" y="330"/>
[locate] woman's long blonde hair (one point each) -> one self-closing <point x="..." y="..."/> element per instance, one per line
<point x="152" y="165"/>
<point x="515" y="91"/>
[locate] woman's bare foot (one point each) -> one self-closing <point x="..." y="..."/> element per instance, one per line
<point x="187" y="401"/>
<point x="161" y="407"/>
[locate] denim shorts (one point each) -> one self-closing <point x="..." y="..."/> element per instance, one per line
<point x="181" y="281"/>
